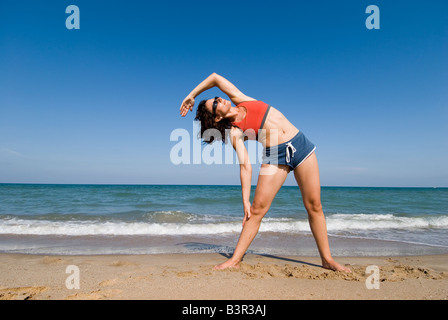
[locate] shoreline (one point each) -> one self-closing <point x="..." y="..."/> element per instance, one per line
<point x="264" y="243"/>
<point x="191" y="277"/>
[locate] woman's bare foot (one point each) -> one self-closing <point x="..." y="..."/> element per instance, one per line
<point x="228" y="264"/>
<point x="333" y="265"/>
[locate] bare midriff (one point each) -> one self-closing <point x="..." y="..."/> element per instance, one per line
<point x="276" y="129"/>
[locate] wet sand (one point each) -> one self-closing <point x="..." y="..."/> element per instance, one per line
<point x="191" y="277"/>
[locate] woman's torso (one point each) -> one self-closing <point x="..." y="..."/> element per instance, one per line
<point x="275" y="127"/>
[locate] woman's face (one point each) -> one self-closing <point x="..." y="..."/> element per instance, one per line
<point x="222" y="107"/>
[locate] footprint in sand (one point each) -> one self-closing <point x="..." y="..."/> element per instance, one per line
<point x="52" y="260"/>
<point x="121" y="263"/>
<point x="22" y="293"/>
<point x="398" y="272"/>
<point x="95" y="295"/>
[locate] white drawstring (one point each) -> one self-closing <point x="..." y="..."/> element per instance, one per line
<point x="288" y="157"/>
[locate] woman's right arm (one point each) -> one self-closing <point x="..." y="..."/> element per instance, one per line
<point x="237" y="140"/>
<point x="213" y="80"/>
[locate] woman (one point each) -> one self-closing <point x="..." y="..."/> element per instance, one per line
<point x="290" y="149"/>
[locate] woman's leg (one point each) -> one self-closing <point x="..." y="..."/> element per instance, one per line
<point x="307" y="177"/>
<point x="267" y="187"/>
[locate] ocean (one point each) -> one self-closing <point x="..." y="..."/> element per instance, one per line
<point x="156" y="219"/>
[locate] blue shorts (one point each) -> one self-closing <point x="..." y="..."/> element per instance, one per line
<point x="291" y="153"/>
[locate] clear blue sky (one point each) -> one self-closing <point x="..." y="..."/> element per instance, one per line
<point x="98" y="104"/>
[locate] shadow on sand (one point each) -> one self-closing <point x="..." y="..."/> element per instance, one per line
<point x="227" y="252"/>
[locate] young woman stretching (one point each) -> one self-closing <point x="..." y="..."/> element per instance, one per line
<point x="286" y="149"/>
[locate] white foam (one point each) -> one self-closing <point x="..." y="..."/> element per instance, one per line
<point x="383" y="221"/>
<point x="83" y="228"/>
<point x="336" y="222"/>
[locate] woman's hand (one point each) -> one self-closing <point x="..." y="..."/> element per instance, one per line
<point x="246" y="206"/>
<point x="187" y="104"/>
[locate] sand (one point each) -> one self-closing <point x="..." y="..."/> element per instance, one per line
<point x="191" y="277"/>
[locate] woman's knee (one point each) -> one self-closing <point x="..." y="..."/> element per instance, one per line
<point x="313" y="206"/>
<point x="259" y="209"/>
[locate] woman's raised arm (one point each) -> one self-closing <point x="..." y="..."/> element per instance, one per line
<point x="213" y="80"/>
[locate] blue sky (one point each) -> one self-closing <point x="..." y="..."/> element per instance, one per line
<point x="98" y="104"/>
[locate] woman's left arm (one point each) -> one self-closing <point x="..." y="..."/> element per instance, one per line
<point x="213" y="80"/>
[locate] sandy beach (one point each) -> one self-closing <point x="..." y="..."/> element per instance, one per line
<point x="191" y="277"/>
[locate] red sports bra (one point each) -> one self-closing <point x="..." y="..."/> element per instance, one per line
<point x="256" y="113"/>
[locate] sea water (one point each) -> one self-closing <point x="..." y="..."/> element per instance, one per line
<point x="145" y="219"/>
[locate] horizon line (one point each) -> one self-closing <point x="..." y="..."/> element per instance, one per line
<point x="198" y="185"/>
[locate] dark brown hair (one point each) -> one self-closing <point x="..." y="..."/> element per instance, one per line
<point x="208" y="122"/>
